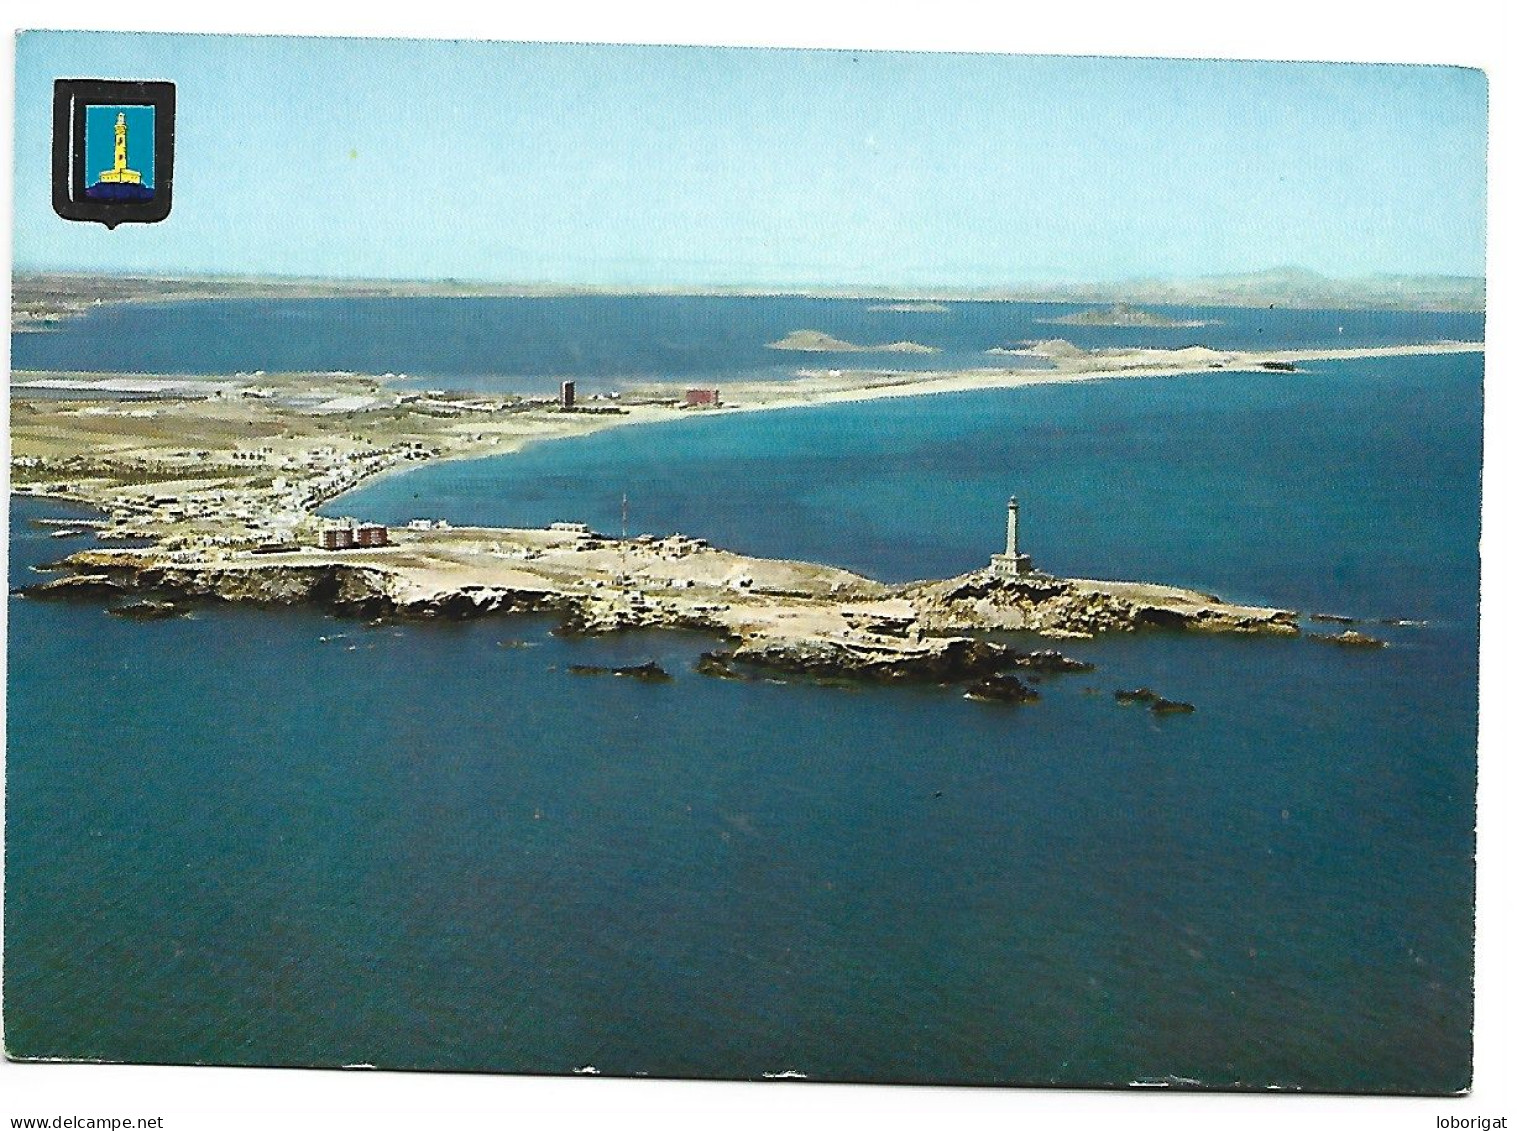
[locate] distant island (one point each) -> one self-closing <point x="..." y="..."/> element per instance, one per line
<point x="1291" y="287"/>
<point x="815" y="341"/>
<point x="1124" y="314"/>
<point x="41" y="299"/>
<point x="911" y="307"/>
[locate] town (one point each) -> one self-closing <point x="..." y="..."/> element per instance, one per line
<point x="244" y="463"/>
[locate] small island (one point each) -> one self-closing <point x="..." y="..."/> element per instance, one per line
<point x="815" y="341"/>
<point x="1123" y="314"/>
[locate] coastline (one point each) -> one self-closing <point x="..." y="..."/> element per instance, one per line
<point x="803" y="392"/>
<point x="791" y="616"/>
<point x="477" y="427"/>
<point x="816" y="390"/>
<point x="779" y="615"/>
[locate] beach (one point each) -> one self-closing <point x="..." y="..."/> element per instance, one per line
<point x="236" y="519"/>
<point x="232" y="460"/>
<point x="843" y="386"/>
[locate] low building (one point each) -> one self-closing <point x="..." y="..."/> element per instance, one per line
<point x="337" y="538"/>
<point x="371" y="534"/>
<point x="570" y="527"/>
<point x="702" y="398"/>
<point x="348" y="535"/>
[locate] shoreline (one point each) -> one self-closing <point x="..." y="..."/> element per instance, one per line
<point x="773" y="615"/>
<point x="474" y="426"/>
<point x="782" y="615"/>
<point x="813" y="389"/>
<point x="863" y="383"/>
<point x="797" y="393"/>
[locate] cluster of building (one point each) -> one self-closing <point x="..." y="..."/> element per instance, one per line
<point x="694" y="398"/>
<point x="439" y="402"/>
<point x="569" y="401"/>
<point x="674" y="545"/>
<point x="181" y="490"/>
<point x="353" y="535"/>
<point x="318" y="475"/>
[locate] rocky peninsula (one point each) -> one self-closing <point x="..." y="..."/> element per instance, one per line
<point x="785" y="616"/>
<point x="223" y="477"/>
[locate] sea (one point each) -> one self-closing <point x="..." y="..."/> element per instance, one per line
<point x="273" y="837"/>
<point x="606" y="342"/>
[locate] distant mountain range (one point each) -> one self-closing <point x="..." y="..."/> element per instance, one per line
<point x="64" y="292"/>
<point x="1285" y="286"/>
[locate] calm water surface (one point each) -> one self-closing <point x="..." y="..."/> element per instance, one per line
<point x="608" y="341"/>
<point x="270" y="837"/>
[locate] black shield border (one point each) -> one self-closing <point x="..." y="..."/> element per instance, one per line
<point x="70" y="99"/>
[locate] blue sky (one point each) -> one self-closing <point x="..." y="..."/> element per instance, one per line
<point x="700" y="166"/>
<point x="100" y="140"/>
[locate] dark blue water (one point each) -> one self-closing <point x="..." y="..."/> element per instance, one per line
<point x="609" y="341"/>
<point x="231" y="841"/>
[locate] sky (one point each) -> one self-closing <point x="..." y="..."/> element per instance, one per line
<point x="651" y="166"/>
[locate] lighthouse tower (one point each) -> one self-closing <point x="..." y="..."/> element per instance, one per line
<point x="119" y="174"/>
<point x="1012" y="563"/>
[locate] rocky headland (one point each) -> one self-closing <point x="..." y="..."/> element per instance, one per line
<point x="778" y="617"/>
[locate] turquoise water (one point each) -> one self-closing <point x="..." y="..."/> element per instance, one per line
<point x="610" y="341"/>
<point x="412" y="846"/>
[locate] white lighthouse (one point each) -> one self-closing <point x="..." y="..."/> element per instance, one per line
<point x="1012" y="563"/>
